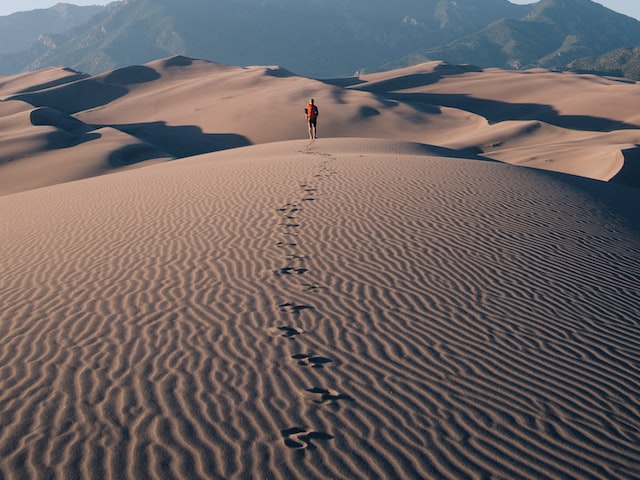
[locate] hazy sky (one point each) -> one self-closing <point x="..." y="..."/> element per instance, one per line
<point x="10" y="6"/>
<point x="628" y="7"/>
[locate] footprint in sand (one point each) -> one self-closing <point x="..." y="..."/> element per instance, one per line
<point x="310" y="287"/>
<point x="289" y="307"/>
<point x="290" y="271"/>
<point x="289" y="208"/>
<point x="313" y="361"/>
<point x="299" y="438"/>
<point x="327" y="395"/>
<point x="289" y="214"/>
<point x="289" y="332"/>
<point x="286" y="244"/>
<point x="290" y="225"/>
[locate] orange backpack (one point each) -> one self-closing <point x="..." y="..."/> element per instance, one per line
<point x="312" y="111"/>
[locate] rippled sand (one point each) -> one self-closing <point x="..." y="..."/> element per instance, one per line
<point x="345" y="308"/>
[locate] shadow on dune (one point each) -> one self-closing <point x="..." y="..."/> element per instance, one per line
<point x="69" y="131"/>
<point x="75" y="97"/>
<point x="182" y="141"/>
<point x="61" y="139"/>
<point x="132" y="75"/>
<point x="495" y="111"/>
<point x="178" y="61"/>
<point x="88" y="93"/>
<point x="630" y="172"/>
<point x="158" y="137"/>
<point x="54" y="108"/>
<point x="279" y="72"/>
<point x="344" y="82"/>
<point x="616" y="201"/>
<point x="132" y="154"/>
<point x="466" y="154"/>
<point x="404" y="82"/>
<point x="46" y="116"/>
<point x="60" y="81"/>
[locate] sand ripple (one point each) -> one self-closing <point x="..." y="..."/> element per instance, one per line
<point x="340" y="309"/>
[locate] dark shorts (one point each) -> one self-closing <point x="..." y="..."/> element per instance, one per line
<point x="313" y="122"/>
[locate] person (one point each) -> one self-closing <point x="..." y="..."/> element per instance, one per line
<point x="311" y="114"/>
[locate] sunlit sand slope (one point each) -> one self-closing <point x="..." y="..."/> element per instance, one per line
<point x="343" y="309"/>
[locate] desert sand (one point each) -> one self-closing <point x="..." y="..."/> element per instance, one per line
<point x="192" y="289"/>
<point x="81" y="126"/>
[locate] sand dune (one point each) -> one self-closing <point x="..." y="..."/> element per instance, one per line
<point x="38" y="80"/>
<point x="180" y="107"/>
<point x="347" y="308"/>
<point x="398" y="299"/>
<point x="42" y="147"/>
<point x="577" y="124"/>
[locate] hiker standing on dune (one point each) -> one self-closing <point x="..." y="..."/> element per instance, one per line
<point x="311" y="114"/>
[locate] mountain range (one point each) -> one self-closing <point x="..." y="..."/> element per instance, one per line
<point x="21" y="30"/>
<point x="333" y="38"/>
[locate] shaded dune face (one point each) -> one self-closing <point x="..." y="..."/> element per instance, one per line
<point x="81" y="126"/>
<point x="345" y="308"/>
